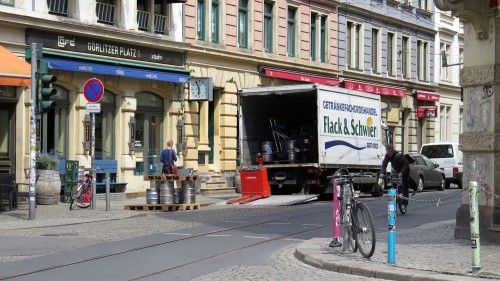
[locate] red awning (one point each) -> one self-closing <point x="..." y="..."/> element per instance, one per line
<point x="379" y="89"/>
<point x="300" y="76"/>
<point x="427" y="96"/>
<point x="13" y="70"/>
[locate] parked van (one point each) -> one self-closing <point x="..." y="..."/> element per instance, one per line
<point x="449" y="158"/>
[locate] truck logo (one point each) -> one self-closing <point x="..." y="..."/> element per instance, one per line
<point x="329" y="144"/>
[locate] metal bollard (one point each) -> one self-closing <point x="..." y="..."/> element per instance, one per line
<point x="336" y="216"/>
<point x="474" y="227"/>
<point x="108" y="199"/>
<point x="391" y="220"/>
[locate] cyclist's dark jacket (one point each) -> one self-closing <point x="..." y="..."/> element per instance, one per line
<point x="399" y="163"/>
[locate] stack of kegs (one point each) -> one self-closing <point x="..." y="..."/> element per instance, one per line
<point x="267" y="151"/>
<point x="304" y="153"/>
<point x="188" y="192"/>
<point x="292" y="150"/>
<point x="167" y="192"/>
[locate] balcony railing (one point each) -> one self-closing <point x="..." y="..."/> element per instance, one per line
<point x="58" y="7"/>
<point x="143" y="20"/>
<point x="105" y="13"/>
<point x="161" y="24"/>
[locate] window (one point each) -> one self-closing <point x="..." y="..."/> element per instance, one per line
<point x="422" y="64"/>
<point x="461" y="57"/>
<point x="105" y="11"/>
<point x="268" y="26"/>
<point x="375" y="55"/>
<point x="243" y="23"/>
<point x="390" y="54"/>
<point x="58" y="7"/>
<point x="312" y="37"/>
<point x="215" y="21"/>
<point x="7" y="2"/>
<point x="158" y="22"/>
<point x="322" y="47"/>
<point x="54" y="125"/>
<point x="104" y="136"/>
<point x="422" y="4"/>
<point x="405" y="57"/>
<point x="353" y="45"/>
<point x="445" y="71"/>
<point x="290" y="43"/>
<point x="461" y="120"/>
<point x="445" y="123"/>
<point x="200" y="20"/>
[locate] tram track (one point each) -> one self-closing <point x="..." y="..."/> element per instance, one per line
<point x="152" y="245"/>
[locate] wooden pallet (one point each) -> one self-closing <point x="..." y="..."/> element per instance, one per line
<point x="170" y="177"/>
<point x="163" y="207"/>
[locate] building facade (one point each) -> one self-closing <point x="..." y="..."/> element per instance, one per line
<point x="134" y="47"/>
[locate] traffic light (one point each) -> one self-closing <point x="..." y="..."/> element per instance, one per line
<point x="47" y="91"/>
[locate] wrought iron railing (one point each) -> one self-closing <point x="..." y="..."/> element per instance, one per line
<point x="58" y="7"/>
<point x="161" y="24"/>
<point x="105" y="13"/>
<point x="143" y="20"/>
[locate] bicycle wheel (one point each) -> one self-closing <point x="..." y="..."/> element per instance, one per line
<point x="348" y="232"/>
<point x="364" y="230"/>
<point x="74" y="194"/>
<point x="402" y="207"/>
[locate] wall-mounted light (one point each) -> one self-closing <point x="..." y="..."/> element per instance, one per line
<point x="86" y="133"/>
<point x="131" y="124"/>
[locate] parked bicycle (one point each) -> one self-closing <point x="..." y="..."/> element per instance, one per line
<point x="79" y="193"/>
<point x="356" y="220"/>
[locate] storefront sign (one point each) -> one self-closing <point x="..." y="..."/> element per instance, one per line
<point x="300" y="76"/>
<point x="427" y="96"/>
<point x="426" y="111"/>
<point x="96" y="46"/>
<point x="374" y="88"/>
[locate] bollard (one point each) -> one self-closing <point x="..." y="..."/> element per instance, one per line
<point x="474" y="227"/>
<point x="391" y="219"/>
<point x="336" y="216"/>
<point x="108" y="208"/>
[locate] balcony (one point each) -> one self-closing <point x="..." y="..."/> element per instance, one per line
<point x="105" y="13"/>
<point x="160" y="22"/>
<point x="58" y="7"/>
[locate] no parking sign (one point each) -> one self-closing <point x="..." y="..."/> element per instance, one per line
<point x="93" y="90"/>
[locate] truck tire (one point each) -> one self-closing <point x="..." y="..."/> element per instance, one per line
<point x="378" y="191"/>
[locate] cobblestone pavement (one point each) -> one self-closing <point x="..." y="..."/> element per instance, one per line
<point x="284" y="267"/>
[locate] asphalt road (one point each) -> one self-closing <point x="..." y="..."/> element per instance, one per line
<point x="219" y="243"/>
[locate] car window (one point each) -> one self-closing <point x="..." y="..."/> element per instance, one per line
<point x="419" y="161"/>
<point x="438" y="151"/>
<point x="429" y="163"/>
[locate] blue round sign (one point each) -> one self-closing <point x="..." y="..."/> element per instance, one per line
<point x="93" y="90"/>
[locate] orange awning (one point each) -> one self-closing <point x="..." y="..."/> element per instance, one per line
<point x="13" y="70"/>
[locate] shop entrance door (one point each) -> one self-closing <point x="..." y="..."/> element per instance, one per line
<point x="148" y="133"/>
<point x="7" y="138"/>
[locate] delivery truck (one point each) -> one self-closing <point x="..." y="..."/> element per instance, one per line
<point x="302" y="134"/>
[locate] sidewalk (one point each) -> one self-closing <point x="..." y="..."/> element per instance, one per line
<point x="428" y="253"/>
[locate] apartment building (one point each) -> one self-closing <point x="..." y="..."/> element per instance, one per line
<point x="135" y="48"/>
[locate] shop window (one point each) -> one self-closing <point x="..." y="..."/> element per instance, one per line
<point x="54" y="125"/>
<point x="7" y="92"/>
<point x="4" y="133"/>
<point x="104" y="129"/>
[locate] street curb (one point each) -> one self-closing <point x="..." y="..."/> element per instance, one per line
<point x="315" y="252"/>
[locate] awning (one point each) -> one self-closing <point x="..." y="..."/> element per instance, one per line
<point x="373" y="88"/>
<point x="428" y="111"/>
<point x="427" y="96"/>
<point x="300" y="76"/>
<point x="13" y="70"/>
<point x="97" y="68"/>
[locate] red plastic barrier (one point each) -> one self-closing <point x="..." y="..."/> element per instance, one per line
<point x="254" y="183"/>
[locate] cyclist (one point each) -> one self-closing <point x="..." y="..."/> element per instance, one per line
<point x="399" y="164"/>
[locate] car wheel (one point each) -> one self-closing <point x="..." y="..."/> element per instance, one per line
<point x="420" y="186"/>
<point x="443" y="184"/>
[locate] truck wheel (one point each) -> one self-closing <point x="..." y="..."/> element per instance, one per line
<point x="378" y="191"/>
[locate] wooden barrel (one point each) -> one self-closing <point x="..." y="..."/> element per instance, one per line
<point x="48" y="187"/>
<point x="167" y="192"/>
<point x="152" y="196"/>
<point x="188" y="192"/>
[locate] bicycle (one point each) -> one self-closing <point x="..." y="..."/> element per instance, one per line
<point x="355" y="219"/>
<point x="79" y="192"/>
<point x="398" y="181"/>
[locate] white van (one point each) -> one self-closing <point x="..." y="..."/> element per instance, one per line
<point x="449" y="158"/>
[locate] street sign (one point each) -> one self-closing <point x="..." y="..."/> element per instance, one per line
<point x="93" y="90"/>
<point x="93" y="107"/>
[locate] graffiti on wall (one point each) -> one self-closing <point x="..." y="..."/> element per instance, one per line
<point x="476" y="169"/>
<point x="478" y="108"/>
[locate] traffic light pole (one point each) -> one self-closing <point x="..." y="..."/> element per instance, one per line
<point x="34" y="56"/>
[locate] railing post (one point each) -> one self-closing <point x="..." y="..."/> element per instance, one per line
<point x="474" y="226"/>
<point x="108" y="208"/>
<point x="391" y="219"/>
